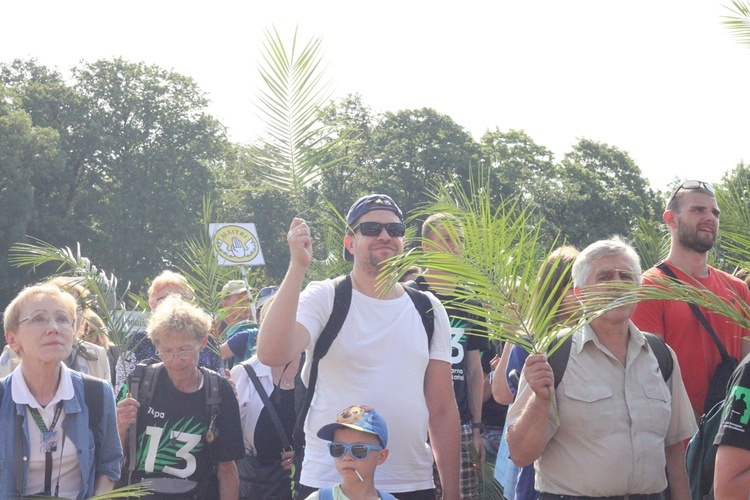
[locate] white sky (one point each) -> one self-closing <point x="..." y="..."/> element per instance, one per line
<point x="662" y="80"/>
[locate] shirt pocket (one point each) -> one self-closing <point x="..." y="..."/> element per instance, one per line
<point x="654" y="413"/>
<point x="588" y="406"/>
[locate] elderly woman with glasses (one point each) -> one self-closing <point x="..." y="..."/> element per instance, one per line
<point x="182" y="438"/>
<point x="62" y="422"/>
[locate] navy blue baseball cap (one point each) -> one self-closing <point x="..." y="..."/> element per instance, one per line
<point x="365" y="205"/>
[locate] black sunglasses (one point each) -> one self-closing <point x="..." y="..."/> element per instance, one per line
<point x="394" y="229"/>
<point x="358" y="451"/>
<point x="692" y="185"/>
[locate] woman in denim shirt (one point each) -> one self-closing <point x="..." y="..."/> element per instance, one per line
<point x="44" y="404"/>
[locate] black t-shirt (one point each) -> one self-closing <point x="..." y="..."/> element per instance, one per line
<point x="493" y="413"/>
<point x="735" y="423"/>
<point x="267" y="441"/>
<point x="172" y="435"/>
<point x="466" y="335"/>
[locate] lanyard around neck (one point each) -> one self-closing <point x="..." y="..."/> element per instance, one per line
<point x="47" y="436"/>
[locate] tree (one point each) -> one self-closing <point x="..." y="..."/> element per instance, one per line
<point x="26" y="153"/>
<point x="600" y="192"/>
<point x="521" y="167"/>
<point x="416" y="149"/>
<point x="52" y="103"/>
<point x="153" y="167"/>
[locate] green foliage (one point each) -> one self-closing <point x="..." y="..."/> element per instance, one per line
<point x="414" y="149"/>
<point x="738" y="23"/>
<point x="200" y="266"/>
<point x="651" y="242"/>
<point x="293" y="105"/>
<point x="498" y="270"/>
<point x="733" y="197"/>
<point x="105" y="298"/>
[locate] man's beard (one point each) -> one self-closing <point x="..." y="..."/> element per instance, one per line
<point x="690" y="239"/>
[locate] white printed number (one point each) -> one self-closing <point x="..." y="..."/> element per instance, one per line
<point x="457" y="353"/>
<point x="190" y="441"/>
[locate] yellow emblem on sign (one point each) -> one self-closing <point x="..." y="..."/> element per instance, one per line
<point x="236" y="244"/>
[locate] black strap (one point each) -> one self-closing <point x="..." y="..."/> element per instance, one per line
<point x="341" y="300"/>
<point x="414" y="290"/>
<point x="141" y="385"/>
<point x="267" y="403"/>
<point x="696" y="310"/>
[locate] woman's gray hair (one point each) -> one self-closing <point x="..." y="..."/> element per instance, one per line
<point x="604" y="248"/>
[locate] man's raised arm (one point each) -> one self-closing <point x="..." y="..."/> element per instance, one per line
<point x="280" y="337"/>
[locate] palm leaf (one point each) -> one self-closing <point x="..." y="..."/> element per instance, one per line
<point x="293" y="103"/>
<point x="131" y="491"/>
<point x="104" y="297"/>
<point x="738" y="23"/>
<point x="497" y="272"/>
<point x="733" y="197"/>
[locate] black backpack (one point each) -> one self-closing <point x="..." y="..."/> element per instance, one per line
<point x="142" y="383"/>
<point x="341" y="301"/>
<point x="700" y="456"/>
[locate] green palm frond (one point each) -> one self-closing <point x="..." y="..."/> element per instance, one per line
<point x="733" y="197"/>
<point x="199" y="264"/>
<point x="651" y="242"/>
<point x="104" y="297"/>
<point x="738" y="23"/>
<point x="497" y="274"/>
<point x="132" y="491"/>
<point x="292" y="105"/>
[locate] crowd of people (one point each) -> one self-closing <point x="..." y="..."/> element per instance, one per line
<point x="195" y="408"/>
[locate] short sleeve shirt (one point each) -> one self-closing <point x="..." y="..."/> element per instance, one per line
<point x="612" y="418"/>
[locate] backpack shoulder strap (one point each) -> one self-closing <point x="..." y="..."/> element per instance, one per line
<point x="663" y="356"/>
<point x="424" y="306"/>
<point x="92" y="395"/>
<point x="141" y="385"/>
<point x="342" y="299"/>
<point x="558" y="360"/>
<point x="213" y="393"/>
<point x="145" y="384"/>
<point x="325" y="494"/>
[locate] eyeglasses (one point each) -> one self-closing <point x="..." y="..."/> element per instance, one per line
<point x="183" y="355"/>
<point x="394" y="229"/>
<point x="357" y="451"/>
<point x="692" y="185"/>
<point x="42" y="320"/>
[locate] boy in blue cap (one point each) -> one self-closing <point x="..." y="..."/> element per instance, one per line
<point x="358" y="440"/>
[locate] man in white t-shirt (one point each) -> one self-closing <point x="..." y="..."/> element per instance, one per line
<point x="381" y="355"/>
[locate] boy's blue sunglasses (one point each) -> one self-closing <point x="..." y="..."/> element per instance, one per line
<point x="358" y="451"/>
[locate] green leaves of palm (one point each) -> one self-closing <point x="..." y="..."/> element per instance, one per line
<point x="292" y="104"/>
<point x="497" y="273"/>
<point x="739" y="22"/>
<point x="104" y="297"/>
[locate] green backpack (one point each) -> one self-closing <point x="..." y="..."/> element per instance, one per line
<point x="701" y="454"/>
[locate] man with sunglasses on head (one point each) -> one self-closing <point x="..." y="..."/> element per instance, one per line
<point x="380" y="355"/>
<point x="692" y="216"/>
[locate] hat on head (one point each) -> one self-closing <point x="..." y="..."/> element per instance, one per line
<point x="265" y="294"/>
<point x="365" y="205"/>
<point x="233" y="287"/>
<point x="359" y="418"/>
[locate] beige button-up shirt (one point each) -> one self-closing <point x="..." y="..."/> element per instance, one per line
<point x="615" y="421"/>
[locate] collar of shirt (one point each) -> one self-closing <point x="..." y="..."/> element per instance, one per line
<point x="22" y="394"/>
<point x="587" y="334"/>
